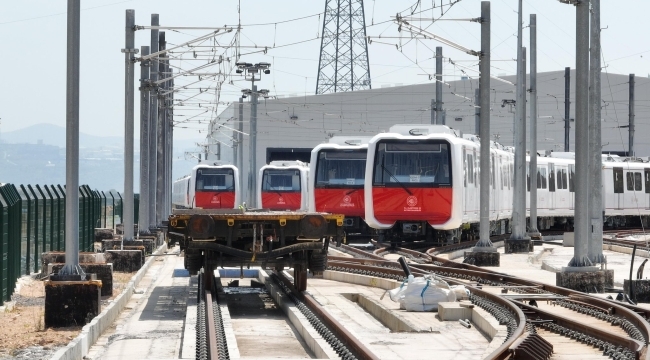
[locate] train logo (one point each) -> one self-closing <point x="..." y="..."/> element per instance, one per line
<point x="215" y="200"/>
<point x="347" y="199"/>
<point x="411" y="201"/>
<point x="281" y="200"/>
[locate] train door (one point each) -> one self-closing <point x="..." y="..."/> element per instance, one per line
<point x="493" y="187"/>
<point x="572" y="172"/>
<point x="618" y="187"/>
<point x="633" y="189"/>
<point x="561" y="201"/>
<point x="468" y="165"/>
<point x="551" y="186"/>
<point x="646" y="176"/>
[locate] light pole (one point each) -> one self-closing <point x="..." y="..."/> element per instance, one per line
<point x="253" y="72"/>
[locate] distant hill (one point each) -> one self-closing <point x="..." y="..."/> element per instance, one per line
<point x="23" y="160"/>
<point x="51" y="134"/>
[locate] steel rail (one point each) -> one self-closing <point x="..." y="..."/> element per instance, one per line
<point x="354" y="344"/>
<point x="211" y="335"/>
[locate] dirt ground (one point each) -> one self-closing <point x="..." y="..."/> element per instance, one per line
<point x="22" y="333"/>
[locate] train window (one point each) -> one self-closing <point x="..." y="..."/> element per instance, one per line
<point x="477" y="169"/>
<point x="551" y="177"/>
<point x="618" y="180"/>
<point x="418" y="163"/>
<point x="465" y="173"/>
<point x="630" y="181"/>
<point x="541" y="177"/>
<point x="492" y="172"/>
<point x="214" y="179"/>
<point x="561" y="179"/>
<point x="511" y="175"/>
<point x="647" y="180"/>
<point x="281" y="180"/>
<point x="634" y="181"/>
<point x="340" y="168"/>
<point x="470" y="168"/>
<point x="501" y="173"/>
<point x="572" y="172"/>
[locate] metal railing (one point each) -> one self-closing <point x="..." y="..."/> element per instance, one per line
<point x="32" y="221"/>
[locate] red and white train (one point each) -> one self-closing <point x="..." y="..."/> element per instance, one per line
<point x="337" y="171"/>
<point x="422" y="182"/>
<point x="208" y="187"/>
<point x="283" y="185"/>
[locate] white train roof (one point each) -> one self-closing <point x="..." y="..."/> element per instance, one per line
<point x="423" y="129"/>
<point x="350" y="140"/>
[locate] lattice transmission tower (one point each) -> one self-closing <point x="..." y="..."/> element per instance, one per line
<point x="343" y="62"/>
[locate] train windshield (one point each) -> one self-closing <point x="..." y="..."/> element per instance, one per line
<point x="341" y="168"/>
<point x="210" y="179"/>
<point x="412" y="163"/>
<point x="281" y="180"/>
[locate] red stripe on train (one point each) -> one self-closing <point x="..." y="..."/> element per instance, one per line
<point x="348" y="202"/>
<point x="281" y="200"/>
<point x="214" y="199"/>
<point x="425" y="204"/>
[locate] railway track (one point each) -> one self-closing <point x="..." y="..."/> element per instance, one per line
<point x="211" y="343"/>
<point x="554" y="318"/>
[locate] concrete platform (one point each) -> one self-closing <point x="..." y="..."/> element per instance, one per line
<point x="548" y="259"/>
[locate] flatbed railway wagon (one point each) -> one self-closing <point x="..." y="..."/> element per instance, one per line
<point x="214" y="238"/>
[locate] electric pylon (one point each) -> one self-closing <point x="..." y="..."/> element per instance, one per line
<point x="343" y="63"/>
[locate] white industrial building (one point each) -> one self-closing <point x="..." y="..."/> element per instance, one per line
<point x="289" y="127"/>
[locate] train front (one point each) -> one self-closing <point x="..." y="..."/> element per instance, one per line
<point x="337" y="181"/>
<point x="283" y="186"/>
<point x="216" y="187"/>
<point x="409" y="181"/>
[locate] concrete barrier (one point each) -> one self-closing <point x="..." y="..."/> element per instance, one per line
<point x="80" y="345"/>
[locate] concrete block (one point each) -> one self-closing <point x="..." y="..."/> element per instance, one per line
<point x="452" y="311"/>
<point x="518" y="246"/>
<point x="103" y="272"/>
<point x="103" y="233"/>
<point x="119" y="229"/>
<point x="124" y="260"/>
<point x="640" y="290"/>
<point x="568" y="239"/>
<point x="482" y="258"/>
<point x="116" y="244"/>
<point x="71" y="303"/>
<point x="59" y="257"/>
<point x="586" y="281"/>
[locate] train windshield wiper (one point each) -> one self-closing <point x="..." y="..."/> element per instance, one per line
<point x="269" y="184"/>
<point x="397" y="181"/>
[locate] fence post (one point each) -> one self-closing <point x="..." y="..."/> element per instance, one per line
<point x="28" y="228"/>
<point x="104" y="211"/>
<point x="62" y="191"/>
<point x="37" y="264"/>
<point x="4" y="248"/>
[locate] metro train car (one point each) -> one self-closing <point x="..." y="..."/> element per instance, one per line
<point x="336" y="183"/>
<point x="208" y="187"/>
<point x="421" y="183"/>
<point x="283" y="185"/>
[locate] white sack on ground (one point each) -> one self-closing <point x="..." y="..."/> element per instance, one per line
<point x="422" y="294"/>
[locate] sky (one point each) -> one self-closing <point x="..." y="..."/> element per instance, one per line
<point x="33" y="39"/>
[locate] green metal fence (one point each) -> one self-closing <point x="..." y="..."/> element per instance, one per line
<point x="32" y="221"/>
